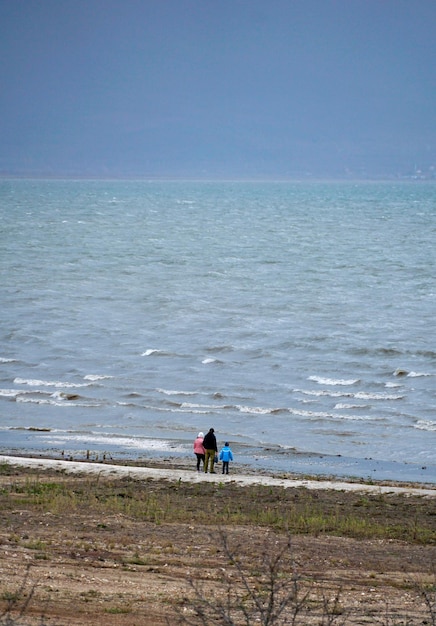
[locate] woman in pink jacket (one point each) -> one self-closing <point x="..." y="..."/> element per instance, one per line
<point x="199" y="450"/>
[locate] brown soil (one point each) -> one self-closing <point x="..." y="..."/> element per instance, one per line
<point x="105" y="567"/>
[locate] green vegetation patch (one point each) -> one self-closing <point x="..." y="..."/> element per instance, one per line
<point x="297" y="510"/>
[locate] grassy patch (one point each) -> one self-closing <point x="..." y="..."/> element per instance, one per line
<point x="297" y="510"/>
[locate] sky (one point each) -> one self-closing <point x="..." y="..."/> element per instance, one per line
<point x="218" y="88"/>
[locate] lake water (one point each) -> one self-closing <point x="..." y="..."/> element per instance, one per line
<point x="297" y="319"/>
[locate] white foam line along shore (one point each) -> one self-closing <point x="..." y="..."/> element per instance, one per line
<point x="138" y="473"/>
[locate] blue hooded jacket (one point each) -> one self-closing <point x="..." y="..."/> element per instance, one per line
<point x="226" y="454"/>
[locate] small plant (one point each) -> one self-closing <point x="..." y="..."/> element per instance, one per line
<point x="136" y="560"/>
<point x="118" y="610"/>
<point x="90" y="594"/>
<point x="36" y="544"/>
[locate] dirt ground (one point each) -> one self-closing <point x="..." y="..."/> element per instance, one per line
<point x="69" y="567"/>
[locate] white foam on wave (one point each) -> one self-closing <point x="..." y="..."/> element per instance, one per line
<point x="58" y="398"/>
<point x="425" y="425"/>
<point x="47" y="383"/>
<point x="125" y="442"/>
<point x="330" y="416"/>
<point x="325" y="392"/>
<point x="209" y="360"/>
<point x="29" y="400"/>
<point x="162" y="353"/>
<point x="3" y="360"/>
<point x="358" y="395"/>
<point x="333" y="381"/>
<point x="95" y="377"/>
<point x="400" y="372"/>
<point x="403" y="372"/>
<point x="345" y="405"/>
<point x="191" y="405"/>
<point x="257" y="410"/>
<point x="183" y="409"/>
<point x="12" y="393"/>
<point x="175" y="409"/>
<point x="62" y="395"/>
<point x="363" y="395"/>
<point x="174" y="392"/>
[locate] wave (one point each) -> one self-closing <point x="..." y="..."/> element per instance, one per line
<point x="95" y="377"/>
<point x="324" y="392"/>
<point x="364" y="395"/>
<point x="403" y="372"/>
<point x="310" y="414"/>
<point x="47" y="383"/>
<point x="400" y="372"/>
<point x="339" y="417"/>
<point x="189" y="405"/>
<point x="58" y="398"/>
<point x="156" y="352"/>
<point x="26" y="400"/>
<point x="258" y="410"/>
<point x="62" y="395"/>
<point x="376" y="351"/>
<point x="173" y="392"/>
<point x="151" y="351"/>
<point x="125" y="442"/>
<point x="13" y="393"/>
<point x="425" y="425"/>
<point x="175" y="407"/>
<point x="394" y="352"/>
<point x="172" y="403"/>
<point x="55" y="400"/>
<point x="38" y="397"/>
<point x="358" y="395"/>
<point x="333" y="381"/>
<point x="344" y="405"/>
<point x="430" y="354"/>
<point x="218" y="349"/>
<point x="33" y="429"/>
<point x="3" y="360"/>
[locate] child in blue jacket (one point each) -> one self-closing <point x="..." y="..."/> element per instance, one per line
<point x="226" y="455"/>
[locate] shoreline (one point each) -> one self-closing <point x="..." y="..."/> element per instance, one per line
<point x="182" y="474"/>
<point x="267" y="459"/>
<point x="249" y="458"/>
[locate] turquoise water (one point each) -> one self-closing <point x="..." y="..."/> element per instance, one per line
<point x="296" y="319"/>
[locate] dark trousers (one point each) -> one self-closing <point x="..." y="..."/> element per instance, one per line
<point x="225" y="467"/>
<point x="200" y="458"/>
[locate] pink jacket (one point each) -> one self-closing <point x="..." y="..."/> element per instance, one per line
<point x="198" y="446"/>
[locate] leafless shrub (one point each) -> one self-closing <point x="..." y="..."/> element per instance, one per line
<point x="264" y="589"/>
<point x="17" y="603"/>
<point x="429" y="595"/>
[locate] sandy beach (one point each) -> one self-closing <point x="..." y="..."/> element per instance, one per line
<point x="188" y="475"/>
